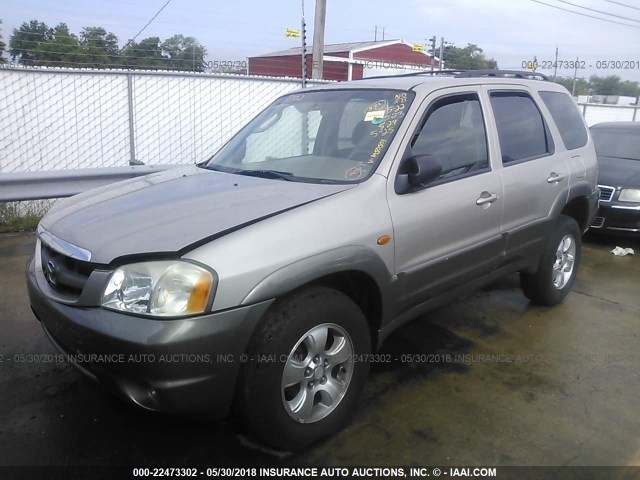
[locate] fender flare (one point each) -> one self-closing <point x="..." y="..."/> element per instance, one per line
<point x="343" y="259"/>
<point x="579" y="190"/>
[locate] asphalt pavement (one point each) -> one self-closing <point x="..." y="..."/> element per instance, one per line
<point x="489" y="380"/>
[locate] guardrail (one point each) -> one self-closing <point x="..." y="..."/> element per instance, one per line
<point x="65" y="183"/>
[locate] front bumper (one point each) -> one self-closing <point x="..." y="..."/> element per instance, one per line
<point x="617" y="217"/>
<point x="187" y="366"/>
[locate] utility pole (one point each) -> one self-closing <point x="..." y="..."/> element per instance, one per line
<point x="432" y="43"/>
<point x="441" y="51"/>
<point x="318" y="38"/>
<point x="303" y="37"/>
<point x="555" y="66"/>
<point x="575" y="76"/>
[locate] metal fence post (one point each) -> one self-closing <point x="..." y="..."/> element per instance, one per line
<point x="635" y="112"/>
<point x="132" y="138"/>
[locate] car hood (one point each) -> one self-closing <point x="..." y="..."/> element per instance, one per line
<point x="171" y="211"/>
<point x="619" y="172"/>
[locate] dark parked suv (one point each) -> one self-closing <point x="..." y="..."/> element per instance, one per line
<point x="618" y="148"/>
<point x="335" y="216"/>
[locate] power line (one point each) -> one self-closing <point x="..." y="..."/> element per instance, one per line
<point x="585" y="14"/>
<point x="623" y="4"/>
<point x="599" y="11"/>
<point x="148" y="23"/>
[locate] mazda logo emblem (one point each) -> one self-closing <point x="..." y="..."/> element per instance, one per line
<point x="50" y="272"/>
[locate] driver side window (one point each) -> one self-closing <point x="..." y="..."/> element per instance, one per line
<point x="454" y="133"/>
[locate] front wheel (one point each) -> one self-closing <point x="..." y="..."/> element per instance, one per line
<point x="303" y="378"/>
<point x="558" y="265"/>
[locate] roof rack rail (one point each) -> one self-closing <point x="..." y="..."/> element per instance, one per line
<point x="461" y="73"/>
<point x="503" y="73"/>
<point x="449" y="72"/>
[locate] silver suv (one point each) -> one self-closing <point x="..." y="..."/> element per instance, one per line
<point x="265" y="277"/>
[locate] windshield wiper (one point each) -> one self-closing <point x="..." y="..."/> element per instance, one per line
<point x="288" y="176"/>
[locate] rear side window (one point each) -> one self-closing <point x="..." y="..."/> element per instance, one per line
<point x="565" y="113"/>
<point x="521" y="129"/>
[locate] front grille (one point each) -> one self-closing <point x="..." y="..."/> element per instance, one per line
<point x="64" y="274"/>
<point x="598" y="222"/>
<point x="606" y="193"/>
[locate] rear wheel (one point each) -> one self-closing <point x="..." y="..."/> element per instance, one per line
<point x="302" y="380"/>
<point x="558" y="265"/>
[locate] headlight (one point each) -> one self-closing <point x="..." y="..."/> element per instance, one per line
<point x="629" y="195"/>
<point x="164" y="288"/>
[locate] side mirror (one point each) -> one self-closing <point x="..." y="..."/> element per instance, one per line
<point x="423" y="169"/>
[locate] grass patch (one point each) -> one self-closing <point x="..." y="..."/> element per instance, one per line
<point x="16" y="219"/>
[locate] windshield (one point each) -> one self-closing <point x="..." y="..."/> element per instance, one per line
<point x="330" y="136"/>
<point x="617" y="143"/>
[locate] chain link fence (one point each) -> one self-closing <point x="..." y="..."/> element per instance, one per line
<point x="65" y="119"/>
<point x="594" y="113"/>
<point x="57" y="119"/>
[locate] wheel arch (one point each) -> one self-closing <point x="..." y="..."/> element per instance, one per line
<point x="357" y="272"/>
<point x="577" y="205"/>
<point x="578" y="209"/>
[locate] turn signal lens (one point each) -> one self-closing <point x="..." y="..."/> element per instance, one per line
<point x="200" y="294"/>
<point x="384" y="239"/>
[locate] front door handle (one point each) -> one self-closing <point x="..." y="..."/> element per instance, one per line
<point x="486" y="197"/>
<point x="554" y="177"/>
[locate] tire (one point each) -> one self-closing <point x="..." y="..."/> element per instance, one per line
<point x="558" y="266"/>
<point x="272" y="407"/>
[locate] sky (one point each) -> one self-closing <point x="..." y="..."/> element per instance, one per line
<point x="511" y="31"/>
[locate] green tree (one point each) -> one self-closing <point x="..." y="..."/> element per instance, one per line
<point x="613" y="85"/>
<point x="99" y="47"/>
<point x="26" y="39"/>
<point x="61" y="50"/>
<point x="582" y="85"/>
<point x="144" y="54"/>
<point x="2" y="47"/>
<point x="609" y="85"/>
<point x="35" y="43"/>
<point x="98" y="37"/>
<point x="630" y="89"/>
<point x="471" y="57"/>
<point x="184" y="53"/>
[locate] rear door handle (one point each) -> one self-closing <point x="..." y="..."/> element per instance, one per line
<point x="554" y="177"/>
<point x="486" y="197"/>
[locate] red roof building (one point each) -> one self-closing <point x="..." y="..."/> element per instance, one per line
<point x="346" y="61"/>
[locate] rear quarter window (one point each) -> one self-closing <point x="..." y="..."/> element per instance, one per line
<point x="567" y="118"/>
